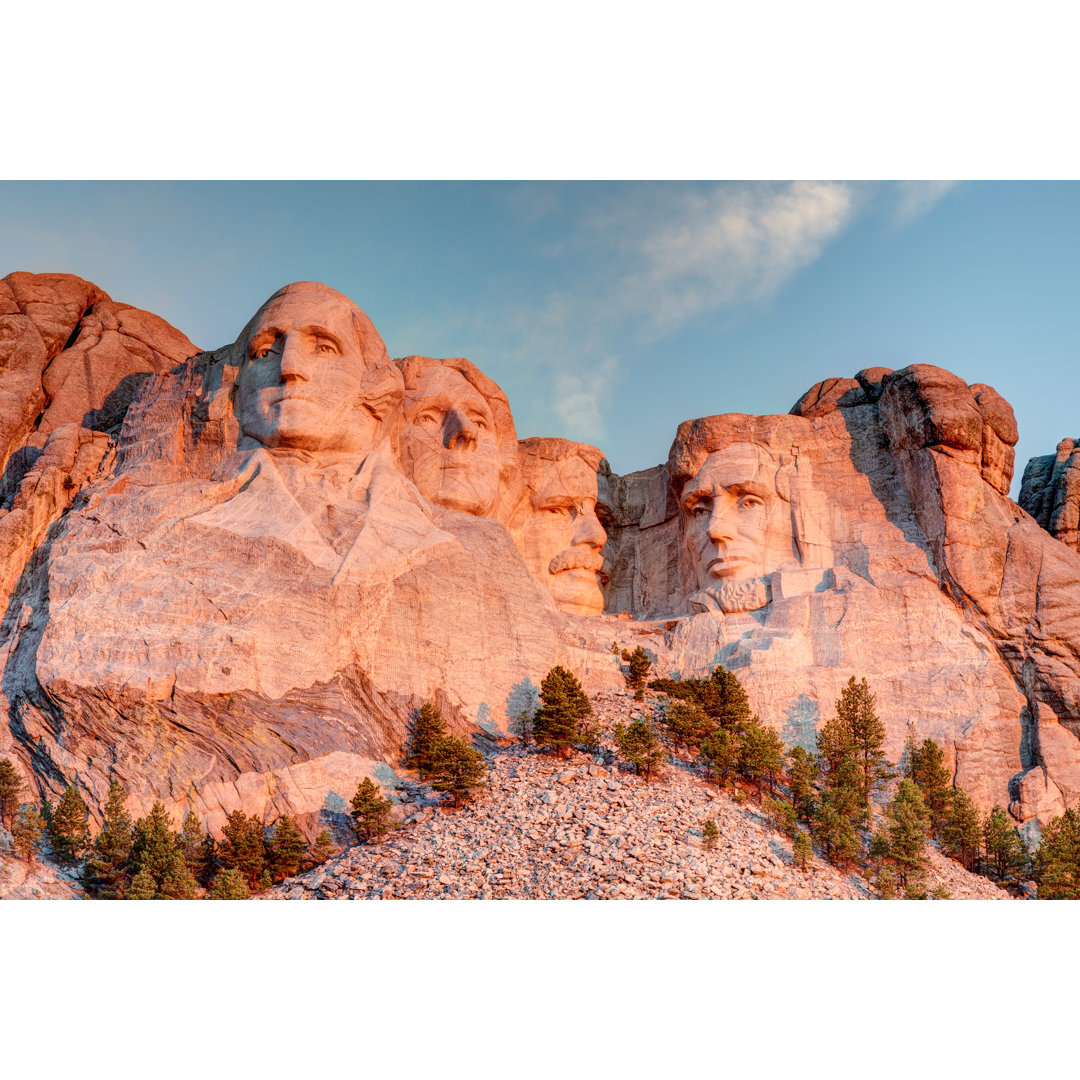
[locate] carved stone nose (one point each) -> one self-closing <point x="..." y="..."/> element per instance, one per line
<point x="722" y="521"/>
<point x="460" y="431"/>
<point x="294" y="362"/>
<point x="588" y="530"/>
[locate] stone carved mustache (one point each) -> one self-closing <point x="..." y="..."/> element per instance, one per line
<point x="577" y="558"/>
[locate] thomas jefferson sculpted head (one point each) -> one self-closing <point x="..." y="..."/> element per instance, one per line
<point x="314" y="374"/>
<point x="455" y="436"/>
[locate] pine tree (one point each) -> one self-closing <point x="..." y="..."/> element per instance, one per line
<point x="781" y="815"/>
<point x="208" y="860"/>
<point x="191" y="841"/>
<point x="637" y="742"/>
<point x="802" y="850"/>
<point x="833" y="827"/>
<point x="709" y="833"/>
<point x="961" y="834"/>
<point x="803" y="775"/>
<point x="908" y="823"/>
<point x="686" y="724"/>
<point x="639" y="663"/>
<point x="564" y="713"/>
<point x="68" y="829"/>
<point x="721" y="696"/>
<point x="521" y="725"/>
<point x="106" y="870"/>
<point x="1004" y="848"/>
<point x="886" y="883"/>
<point x="155" y="850"/>
<point x="370" y="811"/>
<point x="855" y="709"/>
<point x="143" y="886"/>
<point x="11" y="788"/>
<point x="720" y="755"/>
<point x="322" y="849"/>
<point x="179" y="883"/>
<point x="461" y="770"/>
<point x="229" y="885"/>
<point x="428" y="730"/>
<point x="844" y="787"/>
<point x="834" y="747"/>
<point x="761" y="754"/>
<point x="924" y="765"/>
<point x="1057" y="860"/>
<point x="286" y="847"/>
<point x="243" y="847"/>
<point x="26" y="832"/>
<point x="725" y="700"/>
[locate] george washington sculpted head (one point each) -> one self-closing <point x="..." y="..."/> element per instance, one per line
<point x="314" y="374"/>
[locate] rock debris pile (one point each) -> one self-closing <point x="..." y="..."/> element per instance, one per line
<point x="582" y="829"/>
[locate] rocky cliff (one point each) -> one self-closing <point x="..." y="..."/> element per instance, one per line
<point x="229" y="576"/>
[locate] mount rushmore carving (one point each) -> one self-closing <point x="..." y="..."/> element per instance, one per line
<point x="228" y="576"/>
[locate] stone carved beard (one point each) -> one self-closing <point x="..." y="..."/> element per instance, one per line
<point x="733" y="598"/>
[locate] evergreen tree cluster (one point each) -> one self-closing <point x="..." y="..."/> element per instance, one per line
<point x="1057" y="858"/>
<point x="830" y="792"/>
<point x="712" y="717"/>
<point x="446" y="759"/>
<point x="146" y="859"/>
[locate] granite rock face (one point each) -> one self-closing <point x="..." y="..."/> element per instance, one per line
<point x="71" y="361"/>
<point x="231" y="576"/>
<point x="1050" y="492"/>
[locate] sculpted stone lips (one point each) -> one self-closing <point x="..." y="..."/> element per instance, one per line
<point x="726" y="564"/>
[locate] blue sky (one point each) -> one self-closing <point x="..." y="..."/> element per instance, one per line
<point x="608" y="312"/>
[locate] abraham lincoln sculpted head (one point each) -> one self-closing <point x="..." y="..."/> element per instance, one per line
<point x="738" y="514"/>
<point x="314" y="375"/>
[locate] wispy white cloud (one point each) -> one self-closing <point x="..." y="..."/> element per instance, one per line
<point x="913" y="198"/>
<point x="577" y="398"/>
<point x="729" y="246"/>
<point x="652" y="259"/>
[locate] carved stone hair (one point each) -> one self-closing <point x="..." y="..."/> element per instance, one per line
<point x="370" y="342"/>
<point x="791" y="474"/>
<point x="534" y="451"/>
<point x="383" y="387"/>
